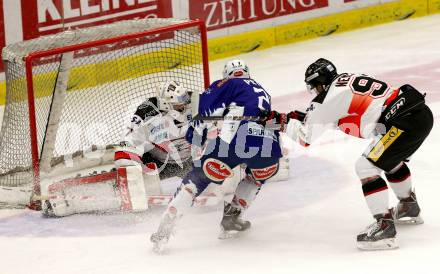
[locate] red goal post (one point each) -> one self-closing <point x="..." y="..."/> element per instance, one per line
<point x="87" y="76"/>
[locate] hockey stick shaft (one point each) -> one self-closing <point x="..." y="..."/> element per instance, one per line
<point x="233" y="118"/>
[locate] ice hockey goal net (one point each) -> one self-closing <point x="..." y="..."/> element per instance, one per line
<point x="74" y="91"/>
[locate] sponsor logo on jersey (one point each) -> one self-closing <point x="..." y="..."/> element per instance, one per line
<point x="157" y="128"/>
<point x="261" y="174"/>
<point x="310" y="108"/>
<point x="386" y="141"/>
<point x="261" y="132"/>
<point x="216" y="170"/>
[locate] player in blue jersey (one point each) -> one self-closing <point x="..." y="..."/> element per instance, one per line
<point x="238" y="142"/>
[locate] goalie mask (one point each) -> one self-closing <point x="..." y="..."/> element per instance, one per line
<point x="321" y="72"/>
<point x="236" y="69"/>
<point x="173" y="96"/>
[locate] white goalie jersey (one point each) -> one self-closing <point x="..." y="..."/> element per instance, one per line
<point x="154" y="135"/>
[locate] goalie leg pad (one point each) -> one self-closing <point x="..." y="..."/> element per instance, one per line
<point x="99" y="193"/>
<point x="130" y="183"/>
<point x="127" y="156"/>
<point x="82" y="198"/>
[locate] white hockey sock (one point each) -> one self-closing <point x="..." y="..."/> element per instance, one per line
<point x="400" y="181"/>
<point x="182" y="201"/>
<point x="246" y="192"/>
<point x="376" y="195"/>
<point x="402" y="189"/>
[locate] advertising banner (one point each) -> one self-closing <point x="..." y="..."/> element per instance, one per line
<point x="220" y="13"/>
<point x="42" y="17"/>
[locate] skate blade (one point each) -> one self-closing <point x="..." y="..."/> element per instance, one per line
<point x="159" y="246"/>
<point x="230" y="234"/>
<point x="409" y="221"/>
<point x="384" y="244"/>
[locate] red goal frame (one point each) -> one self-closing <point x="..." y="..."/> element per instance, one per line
<point x="40" y="54"/>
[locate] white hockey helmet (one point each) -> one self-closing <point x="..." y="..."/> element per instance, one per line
<point x="172" y="96"/>
<point x="236" y="69"/>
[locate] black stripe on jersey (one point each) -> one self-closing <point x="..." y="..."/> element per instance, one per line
<point x="374" y="186"/>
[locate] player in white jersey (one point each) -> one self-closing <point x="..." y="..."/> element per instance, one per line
<point x="397" y="120"/>
<point x="154" y="139"/>
<point x="156" y="132"/>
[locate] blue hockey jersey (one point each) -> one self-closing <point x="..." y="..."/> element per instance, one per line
<point x="240" y="97"/>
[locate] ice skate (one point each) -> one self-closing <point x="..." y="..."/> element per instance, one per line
<point x="232" y="225"/>
<point x="407" y="211"/>
<point x="380" y="235"/>
<point x="48" y="210"/>
<point x="163" y="234"/>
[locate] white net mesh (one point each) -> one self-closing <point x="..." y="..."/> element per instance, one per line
<point x="105" y="85"/>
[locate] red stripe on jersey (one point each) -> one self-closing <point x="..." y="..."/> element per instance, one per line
<point x="351" y="125"/>
<point x="358" y="106"/>
<point x="392" y="97"/>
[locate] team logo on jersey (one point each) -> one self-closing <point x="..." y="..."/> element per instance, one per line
<point x="216" y="170"/>
<point x="261" y="174"/>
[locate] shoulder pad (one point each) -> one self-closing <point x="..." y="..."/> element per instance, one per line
<point x="148" y="108"/>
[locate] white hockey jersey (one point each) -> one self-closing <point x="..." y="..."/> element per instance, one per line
<point x="162" y="134"/>
<point x="353" y="102"/>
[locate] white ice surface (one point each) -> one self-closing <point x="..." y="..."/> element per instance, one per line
<point x="305" y="225"/>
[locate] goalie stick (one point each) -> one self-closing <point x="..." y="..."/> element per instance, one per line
<point x="210" y="199"/>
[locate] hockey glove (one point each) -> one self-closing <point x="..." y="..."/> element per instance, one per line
<point x="279" y="118"/>
<point x="296" y="115"/>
